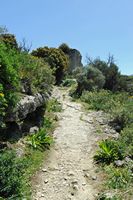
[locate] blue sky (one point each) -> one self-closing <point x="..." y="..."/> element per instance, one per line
<point x="94" y="27"/>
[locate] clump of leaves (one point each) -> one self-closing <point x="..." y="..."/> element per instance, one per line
<point x="36" y="72"/>
<point x="123" y="114"/>
<point x="118" y="177"/>
<point x="3" y="105"/>
<point x="54" y="105"/>
<point x="126" y="140"/>
<point x="56" y="58"/>
<point x="68" y="82"/>
<point x="40" y="140"/>
<point x="11" y="175"/>
<point x="109" y="151"/>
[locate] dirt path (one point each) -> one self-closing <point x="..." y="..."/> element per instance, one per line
<point x="69" y="171"/>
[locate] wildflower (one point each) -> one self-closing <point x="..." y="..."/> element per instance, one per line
<point x="1" y="95"/>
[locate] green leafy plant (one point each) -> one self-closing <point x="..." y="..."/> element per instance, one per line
<point x="123" y="114"/>
<point x="40" y="140"/>
<point x="56" y="59"/>
<point x="3" y="106"/>
<point x="119" y="105"/>
<point x="54" y="105"/>
<point x="11" y="175"/>
<point x="126" y="140"/>
<point x="36" y="73"/>
<point x="68" y="82"/>
<point x="108" y="152"/>
<point x="118" y="177"/>
<point x="110" y="71"/>
<point x="89" y="80"/>
<point x="9" y="40"/>
<point x="9" y="79"/>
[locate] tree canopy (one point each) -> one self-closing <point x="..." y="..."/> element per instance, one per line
<point x="56" y="58"/>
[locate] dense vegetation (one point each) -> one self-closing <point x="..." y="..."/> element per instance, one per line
<point x="56" y="58"/>
<point x="23" y="74"/>
<point x="18" y="68"/>
<point x="98" y="74"/>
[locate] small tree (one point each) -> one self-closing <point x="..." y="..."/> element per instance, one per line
<point x="109" y="69"/>
<point x="90" y="79"/>
<point x="9" y="40"/>
<point x="56" y="58"/>
<point x="96" y="78"/>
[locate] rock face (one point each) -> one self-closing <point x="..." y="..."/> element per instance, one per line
<point x="28" y="113"/>
<point x="28" y="104"/>
<point x="74" y="59"/>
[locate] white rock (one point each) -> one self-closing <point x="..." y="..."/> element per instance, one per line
<point x="44" y="170"/>
<point x="46" y="181"/>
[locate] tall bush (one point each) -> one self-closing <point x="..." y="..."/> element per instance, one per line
<point x="110" y="70"/>
<point x="89" y="80"/>
<point x="9" y="40"/>
<point x="9" y="77"/>
<point x="56" y="58"/>
<point x="36" y="72"/>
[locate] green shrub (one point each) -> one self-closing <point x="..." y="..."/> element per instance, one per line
<point x="9" y="40"/>
<point x="98" y="100"/>
<point x="9" y="79"/>
<point x="11" y="175"/>
<point x="110" y="71"/>
<point x="109" y="151"/>
<point x="118" y="177"/>
<point x="56" y="59"/>
<point x="123" y="112"/>
<point x="77" y="72"/>
<point x="36" y="72"/>
<point x="40" y="140"/>
<point x="16" y="67"/>
<point x="119" y="105"/>
<point x="53" y="105"/>
<point x="126" y="140"/>
<point x="90" y="79"/>
<point x="68" y="82"/>
<point x="3" y="106"/>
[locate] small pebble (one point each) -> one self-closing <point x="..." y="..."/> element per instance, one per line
<point x="94" y="178"/>
<point x="44" y="170"/>
<point x="46" y="181"/>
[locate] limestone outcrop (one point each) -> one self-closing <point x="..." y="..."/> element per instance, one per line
<point x="28" y="104"/>
<point x="75" y="59"/>
<point x="74" y="56"/>
<point x="28" y="113"/>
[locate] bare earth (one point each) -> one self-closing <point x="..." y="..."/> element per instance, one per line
<point x="69" y="172"/>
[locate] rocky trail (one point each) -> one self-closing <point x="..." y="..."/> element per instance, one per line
<point x="69" y="173"/>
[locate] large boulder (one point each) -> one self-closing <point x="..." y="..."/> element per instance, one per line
<point x="28" y="113"/>
<point x="75" y="59"/>
<point x="28" y="104"/>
